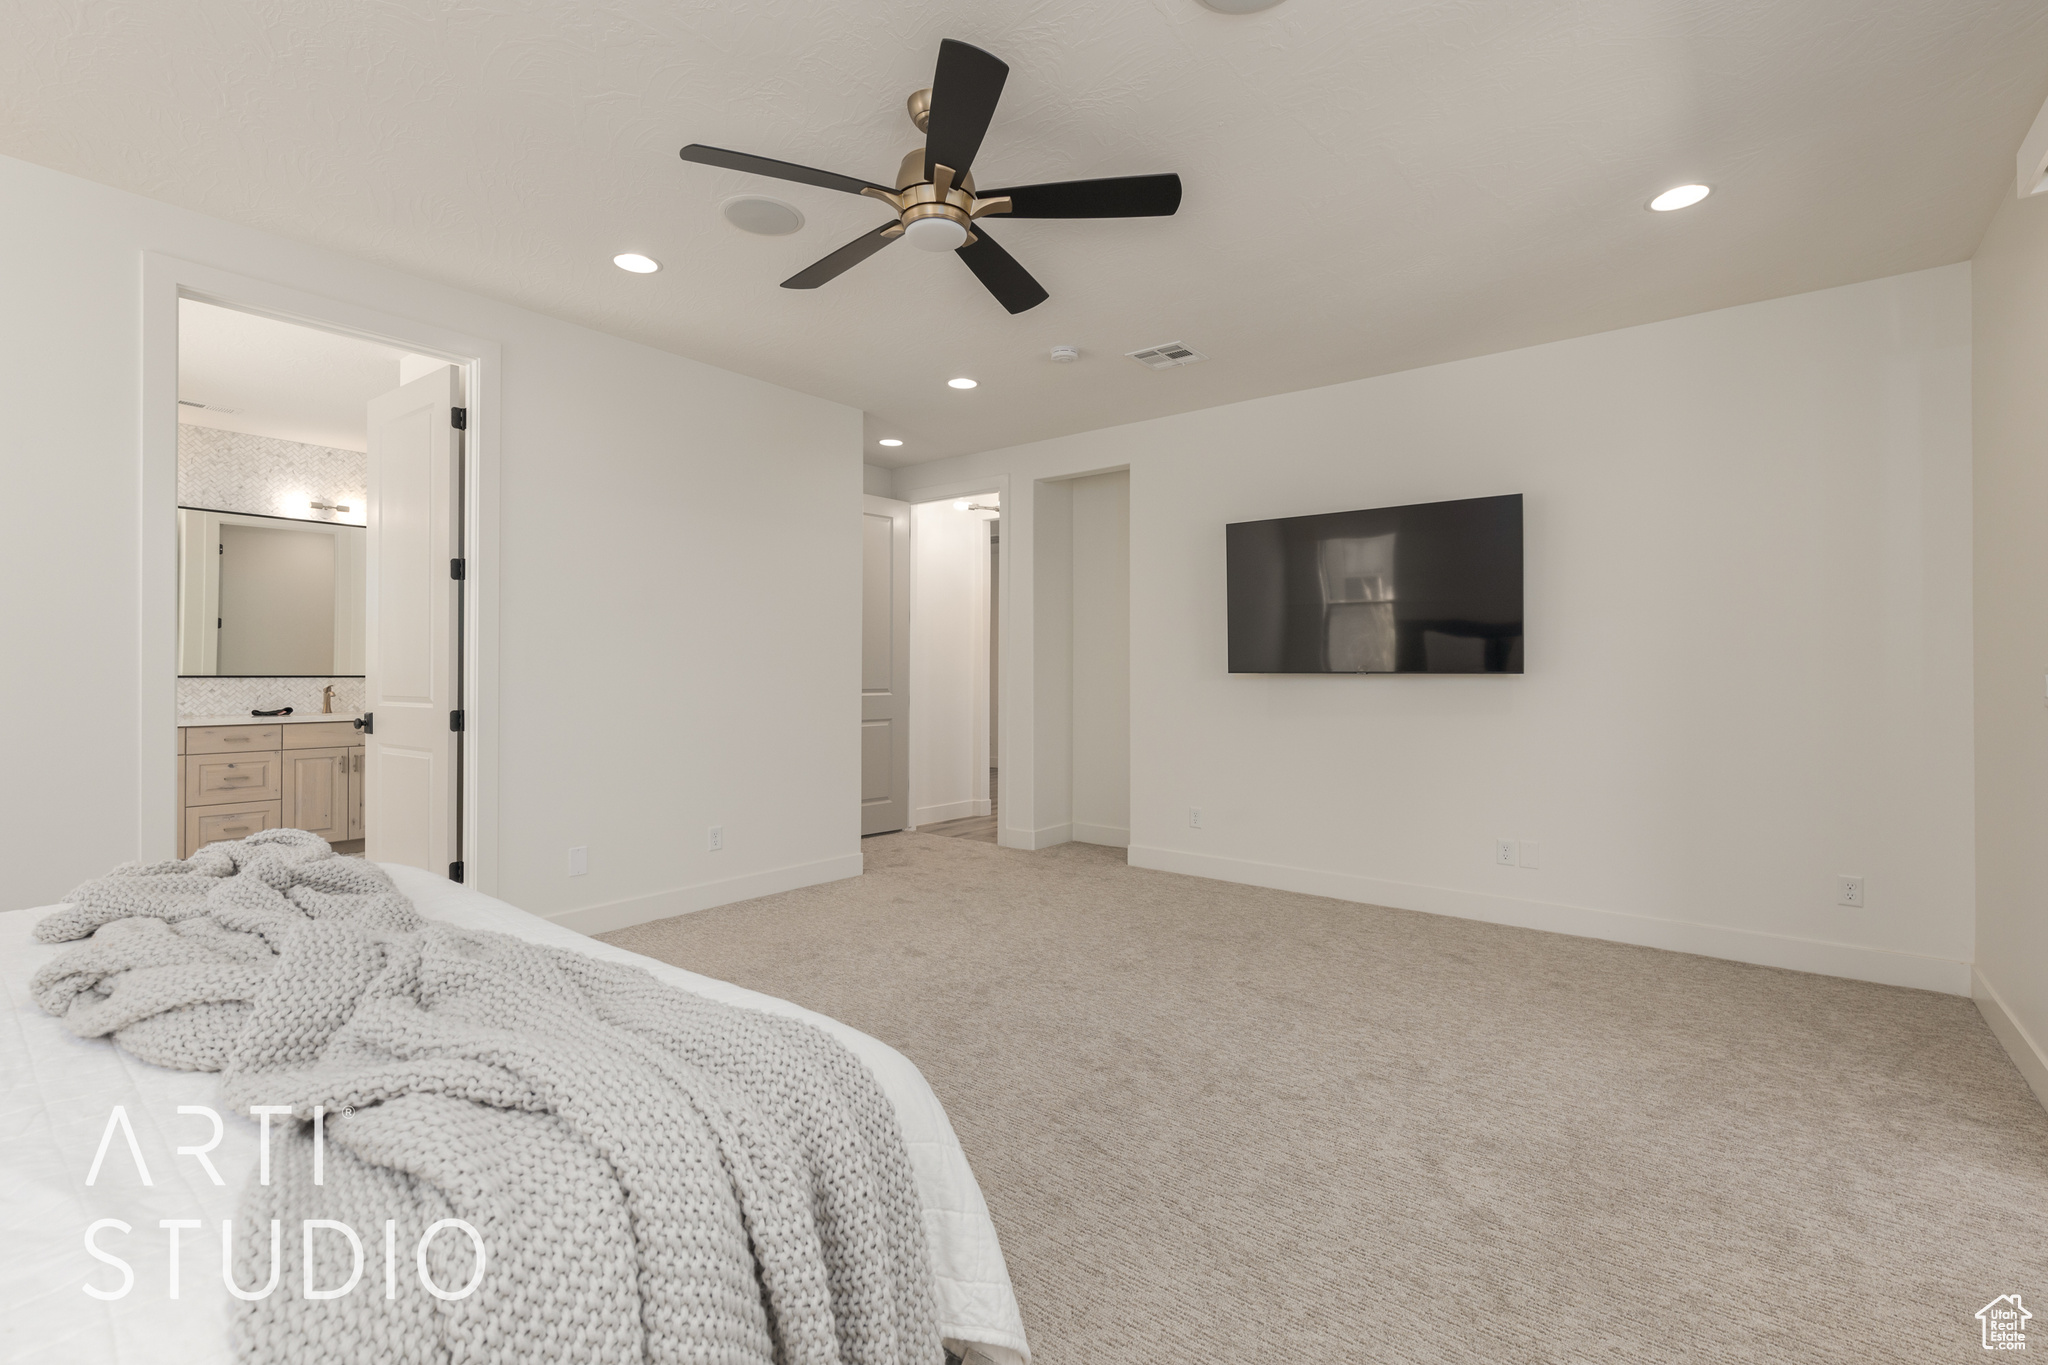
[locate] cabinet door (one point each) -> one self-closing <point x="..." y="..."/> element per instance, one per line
<point x="316" y="792"/>
<point x="355" y="793"/>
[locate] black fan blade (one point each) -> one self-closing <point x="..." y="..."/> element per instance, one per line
<point x="998" y="269"/>
<point x="965" y="89"/>
<point x="842" y="260"/>
<point x="781" y="170"/>
<point x="1121" y="196"/>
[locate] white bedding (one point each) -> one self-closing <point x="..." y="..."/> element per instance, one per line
<point x="61" y="1089"/>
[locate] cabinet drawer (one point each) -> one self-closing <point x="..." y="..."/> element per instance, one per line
<point x="230" y="739"/>
<point x="210" y="824"/>
<point x="213" y="778"/>
<point x="320" y="735"/>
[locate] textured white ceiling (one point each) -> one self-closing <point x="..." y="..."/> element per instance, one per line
<point x="278" y="378"/>
<point x="1371" y="184"/>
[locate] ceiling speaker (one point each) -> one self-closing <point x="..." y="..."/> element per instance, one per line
<point x="763" y="217"/>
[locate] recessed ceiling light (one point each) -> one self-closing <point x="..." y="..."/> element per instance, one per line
<point x="1240" y="6"/>
<point x="635" y="262"/>
<point x="960" y="383"/>
<point x="761" y="216"/>
<point x="888" y="441"/>
<point x="1683" y="197"/>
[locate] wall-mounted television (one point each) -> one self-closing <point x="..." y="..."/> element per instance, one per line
<point x="1435" y="587"/>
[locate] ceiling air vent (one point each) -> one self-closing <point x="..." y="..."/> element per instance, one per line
<point x="1166" y="355"/>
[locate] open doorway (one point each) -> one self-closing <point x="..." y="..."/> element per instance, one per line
<point x="956" y="547"/>
<point x="320" y="576"/>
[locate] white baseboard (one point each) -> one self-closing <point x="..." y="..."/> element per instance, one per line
<point x="951" y="810"/>
<point x="1107" y="835"/>
<point x="603" y="919"/>
<point x="2019" y="1045"/>
<point x="1820" y="956"/>
<point x="1034" y="838"/>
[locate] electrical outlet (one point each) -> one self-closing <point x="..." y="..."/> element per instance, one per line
<point x="1194" y="817"/>
<point x="1532" y="853"/>
<point x="1504" y="852"/>
<point x="1849" y="891"/>
<point x="579" y="861"/>
<point x="717" y="840"/>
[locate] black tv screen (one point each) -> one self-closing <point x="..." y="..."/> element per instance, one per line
<point x="1431" y="588"/>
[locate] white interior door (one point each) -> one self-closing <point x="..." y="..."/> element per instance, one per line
<point x="885" y="666"/>
<point x="409" y="759"/>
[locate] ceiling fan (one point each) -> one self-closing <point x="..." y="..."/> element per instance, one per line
<point x="937" y="206"/>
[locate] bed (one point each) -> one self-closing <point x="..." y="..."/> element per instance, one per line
<point x="61" y="1090"/>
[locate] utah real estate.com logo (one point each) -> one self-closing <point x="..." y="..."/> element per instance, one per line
<point x="2005" y="1323"/>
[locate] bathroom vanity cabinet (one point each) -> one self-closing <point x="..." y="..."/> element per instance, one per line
<point x="235" y="778"/>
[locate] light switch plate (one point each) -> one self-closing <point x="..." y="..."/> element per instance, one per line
<point x="1532" y="853"/>
<point x="579" y="860"/>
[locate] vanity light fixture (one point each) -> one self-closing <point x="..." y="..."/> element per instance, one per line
<point x="960" y="383"/>
<point x="635" y="262"/>
<point x="888" y="441"/>
<point x="1682" y="197"/>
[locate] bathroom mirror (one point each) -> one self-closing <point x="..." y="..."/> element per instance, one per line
<point x="268" y="596"/>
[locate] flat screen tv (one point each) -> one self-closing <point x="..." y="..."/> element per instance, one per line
<point x="1431" y="588"/>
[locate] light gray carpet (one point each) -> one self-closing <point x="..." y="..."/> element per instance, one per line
<point x="1221" y="1124"/>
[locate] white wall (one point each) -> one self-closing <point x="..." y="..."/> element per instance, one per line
<point x="679" y="609"/>
<point x="1749" y="637"/>
<point x="1101" y="626"/>
<point x="2010" y="314"/>
<point x="949" y="616"/>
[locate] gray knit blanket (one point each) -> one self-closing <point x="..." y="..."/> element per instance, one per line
<point x="654" y="1176"/>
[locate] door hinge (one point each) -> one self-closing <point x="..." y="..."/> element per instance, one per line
<point x="368" y="724"/>
<point x="458" y="568"/>
<point x="455" y="721"/>
<point x="459" y="419"/>
<point x="455" y="872"/>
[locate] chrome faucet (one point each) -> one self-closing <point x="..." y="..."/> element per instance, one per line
<point x="327" y="700"/>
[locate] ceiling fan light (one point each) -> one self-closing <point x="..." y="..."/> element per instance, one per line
<point x="935" y="234"/>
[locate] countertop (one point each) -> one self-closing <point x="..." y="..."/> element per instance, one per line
<point x="296" y="718"/>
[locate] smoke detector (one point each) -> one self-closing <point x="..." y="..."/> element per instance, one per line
<point x="1066" y="354"/>
<point x="1166" y="355"/>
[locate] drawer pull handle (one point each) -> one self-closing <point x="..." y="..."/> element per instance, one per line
<point x="235" y="739"/>
<point x="233" y="829"/>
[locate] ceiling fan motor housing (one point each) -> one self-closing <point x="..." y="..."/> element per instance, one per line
<point x="932" y="218"/>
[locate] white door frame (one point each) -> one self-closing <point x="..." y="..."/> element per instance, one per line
<point x="1008" y="732"/>
<point x="165" y="280"/>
